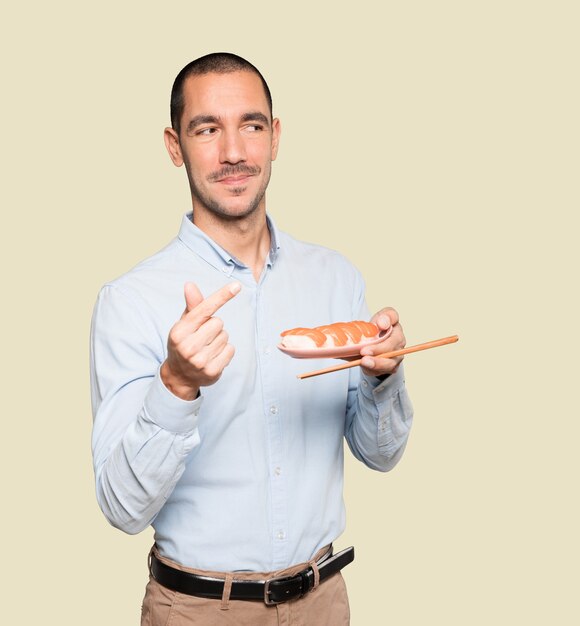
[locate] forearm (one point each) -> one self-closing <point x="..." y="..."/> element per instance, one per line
<point x="138" y="466"/>
<point x="379" y="420"/>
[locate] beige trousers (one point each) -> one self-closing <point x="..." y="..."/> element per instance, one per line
<point x="325" y="605"/>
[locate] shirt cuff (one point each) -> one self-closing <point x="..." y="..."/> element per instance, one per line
<point x="373" y="387"/>
<point x="168" y="411"/>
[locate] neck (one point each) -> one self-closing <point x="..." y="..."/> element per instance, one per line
<point x="246" y="238"/>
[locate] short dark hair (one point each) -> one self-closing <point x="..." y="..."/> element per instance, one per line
<point x="218" y="62"/>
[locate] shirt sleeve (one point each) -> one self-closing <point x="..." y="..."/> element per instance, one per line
<point x="142" y="433"/>
<point x="379" y="413"/>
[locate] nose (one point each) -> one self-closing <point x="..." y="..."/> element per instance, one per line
<point x="232" y="149"/>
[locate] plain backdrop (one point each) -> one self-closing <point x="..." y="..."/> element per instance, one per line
<point x="436" y="144"/>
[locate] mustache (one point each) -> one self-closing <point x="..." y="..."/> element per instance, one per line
<point x="233" y="170"/>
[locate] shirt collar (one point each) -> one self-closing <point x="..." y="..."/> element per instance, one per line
<point x="205" y="247"/>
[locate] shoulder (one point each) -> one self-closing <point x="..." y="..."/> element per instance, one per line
<point x="323" y="280"/>
<point x="152" y="290"/>
<point x="317" y="258"/>
<point x="311" y="250"/>
<point x="150" y="268"/>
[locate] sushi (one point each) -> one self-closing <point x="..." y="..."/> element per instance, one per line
<point x="334" y="335"/>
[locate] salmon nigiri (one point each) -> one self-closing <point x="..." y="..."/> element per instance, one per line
<point x="334" y="335"/>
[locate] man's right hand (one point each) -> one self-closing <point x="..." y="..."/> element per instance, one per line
<point x="197" y="347"/>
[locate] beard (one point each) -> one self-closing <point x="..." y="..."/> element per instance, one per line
<point x="201" y="195"/>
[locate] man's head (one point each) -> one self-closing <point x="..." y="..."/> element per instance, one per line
<point x="218" y="63"/>
<point x="224" y="133"/>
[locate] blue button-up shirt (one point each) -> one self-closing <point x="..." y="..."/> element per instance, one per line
<point x="249" y="476"/>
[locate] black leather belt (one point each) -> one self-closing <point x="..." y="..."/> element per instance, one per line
<point x="271" y="591"/>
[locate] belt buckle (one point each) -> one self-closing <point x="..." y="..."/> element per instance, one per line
<point x="267" y="600"/>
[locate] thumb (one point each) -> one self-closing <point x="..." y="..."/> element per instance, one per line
<point x="192" y="296"/>
<point x="386" y="318"/>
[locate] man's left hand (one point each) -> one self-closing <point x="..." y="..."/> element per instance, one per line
<point x="371" y="364"/>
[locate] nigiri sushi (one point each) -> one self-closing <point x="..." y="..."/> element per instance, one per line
<point x="334" y="335"/>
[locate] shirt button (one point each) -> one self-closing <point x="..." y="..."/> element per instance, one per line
<point x="365" y="384"/>
<point x="281" y="535"/>
<point x="274" y="409"/>
<point x="225" y="269"/>
<point x="277" y="471"/>
<point x="267" y="350"/>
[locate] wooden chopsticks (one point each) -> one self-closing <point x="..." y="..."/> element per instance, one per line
<point x="387" y="355"/>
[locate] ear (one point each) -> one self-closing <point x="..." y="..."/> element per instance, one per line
<point x="173" y="147"/>
<point x="276" y="130"/>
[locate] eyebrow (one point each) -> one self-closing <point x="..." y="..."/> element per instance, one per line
<point x="255" y="116"/>
<point x="251" y="116"/>
<point x="198" y="120"/>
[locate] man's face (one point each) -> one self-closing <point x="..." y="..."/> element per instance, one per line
<point x="227" y="143"/>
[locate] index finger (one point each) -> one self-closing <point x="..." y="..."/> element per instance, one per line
<point x="207" y="307"/>
<point x="394" y="341"/>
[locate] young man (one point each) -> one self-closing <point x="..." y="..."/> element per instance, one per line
<point x="201" y="427"/>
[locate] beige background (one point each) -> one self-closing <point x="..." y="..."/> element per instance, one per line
<point x="437" y="145"/>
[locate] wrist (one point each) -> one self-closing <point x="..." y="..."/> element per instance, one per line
<point x="176" y="385"/>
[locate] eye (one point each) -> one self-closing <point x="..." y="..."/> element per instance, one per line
<point x="254" y="128"/>
<point x="206" y="131"/>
